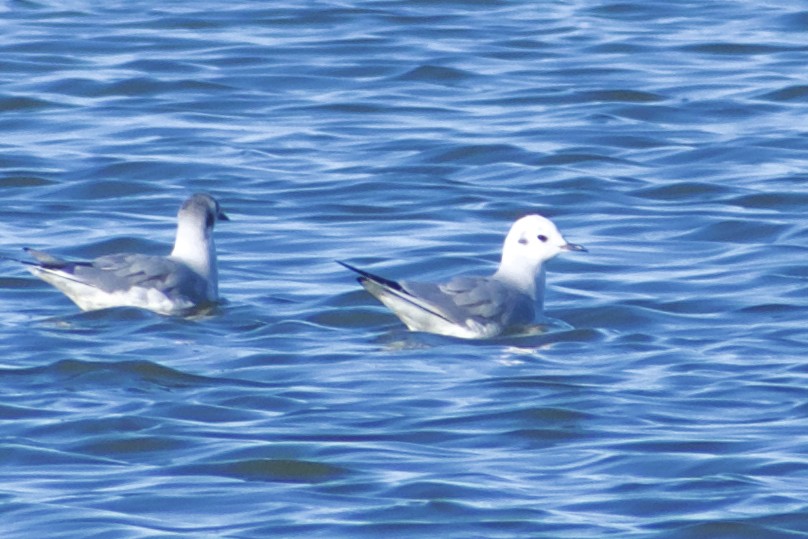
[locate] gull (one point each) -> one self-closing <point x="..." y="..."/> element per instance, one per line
<point x="171" y="285"/>
<point x="479" y="307"/>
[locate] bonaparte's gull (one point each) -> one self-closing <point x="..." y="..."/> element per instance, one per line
<point x="174" y="284"/>
<point x="479" y="307"/>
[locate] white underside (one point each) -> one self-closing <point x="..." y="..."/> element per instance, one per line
<point x="90" y="298"/>
<point x="418" y="319"/>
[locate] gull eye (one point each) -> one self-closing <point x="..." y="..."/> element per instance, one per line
<point x="542" y="238"/>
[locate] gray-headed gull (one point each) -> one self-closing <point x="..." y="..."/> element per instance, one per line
<point x="173" y="285"/>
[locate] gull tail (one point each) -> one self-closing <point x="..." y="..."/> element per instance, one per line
<point x="46" y="264"/>
<point x="35" y="254"/>
<point x="398" y="299"/>
<point x="45" y="260"/>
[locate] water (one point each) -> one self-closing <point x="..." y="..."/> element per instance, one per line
<point x="669" y="138"/>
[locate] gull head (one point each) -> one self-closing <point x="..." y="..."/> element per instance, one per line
<point x="201" y="211"/>
<point x="532" y="240"/>
<point x="536" y="239"/>
<point x="194" y="243"/>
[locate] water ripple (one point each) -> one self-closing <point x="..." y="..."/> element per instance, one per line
<point x="663" y="396"/>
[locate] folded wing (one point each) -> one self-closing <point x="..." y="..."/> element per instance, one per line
<point x="463" y="307"/>
<point x="122" y="279"/>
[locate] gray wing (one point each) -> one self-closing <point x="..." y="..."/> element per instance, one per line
<point x="123" y="271"/>
<point x="120" y="272"/>
<point x="481" y="299"/>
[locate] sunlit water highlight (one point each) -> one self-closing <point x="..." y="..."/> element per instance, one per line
<point x="669" y="138"/>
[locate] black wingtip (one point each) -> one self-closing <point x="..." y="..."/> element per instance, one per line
<point x="361" y="272"/>
<point x="346" y="265"/>
<point x="367" y="276"/>
<point x="396" y="287"/>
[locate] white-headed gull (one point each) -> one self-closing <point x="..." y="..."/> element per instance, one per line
<point x="479" y="307"/>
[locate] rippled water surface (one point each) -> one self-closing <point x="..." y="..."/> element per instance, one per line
<point x="668" y="137"/>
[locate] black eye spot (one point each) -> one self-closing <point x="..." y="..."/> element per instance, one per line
<point x="542" y="238"/>
<point x="210" y="219"/>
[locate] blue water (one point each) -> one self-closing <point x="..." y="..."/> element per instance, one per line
<point x="405" y="136"/>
